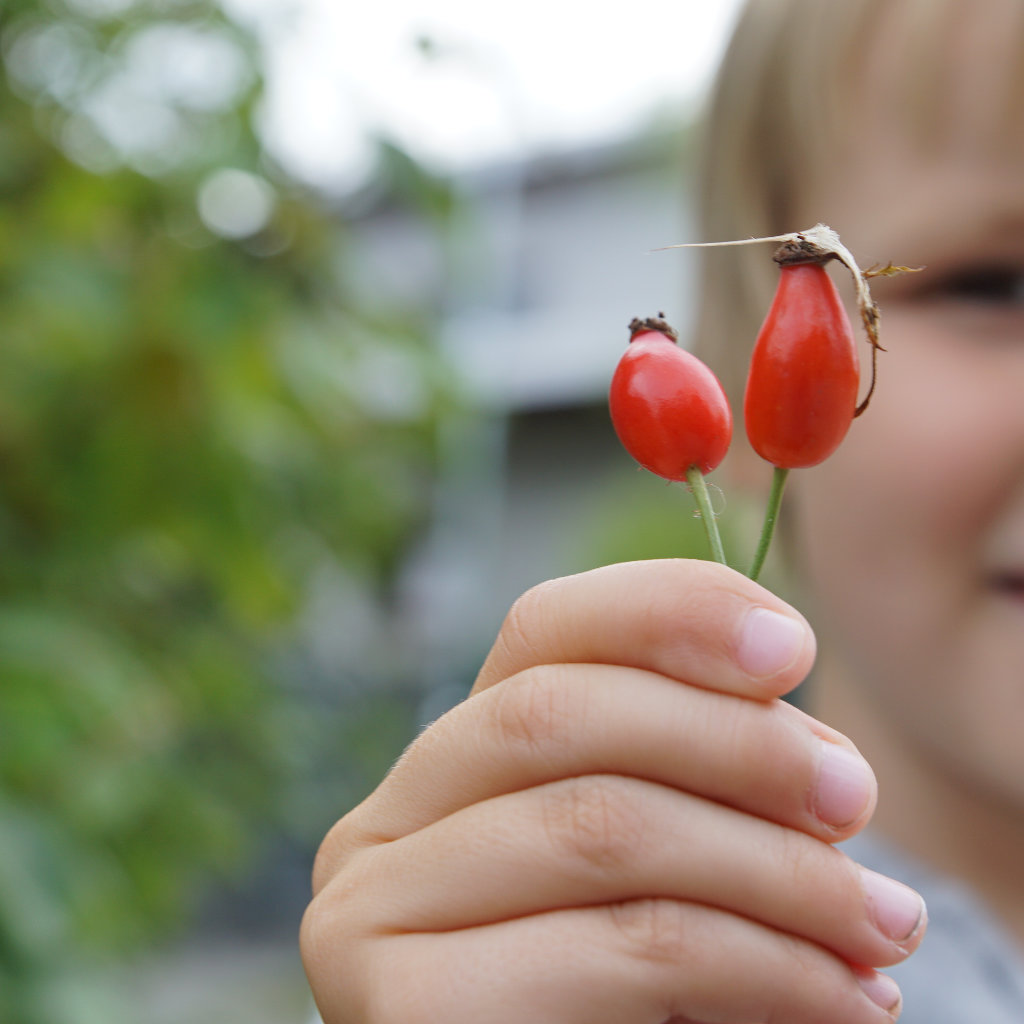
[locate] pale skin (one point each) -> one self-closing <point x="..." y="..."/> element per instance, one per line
<point x="911" y="538"/>
<point x="623" y="823"/>
<point x="935" y="698"/>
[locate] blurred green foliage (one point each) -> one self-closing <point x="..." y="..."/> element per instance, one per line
<point x="193" y="423"/>
<point x="635" y="515"/>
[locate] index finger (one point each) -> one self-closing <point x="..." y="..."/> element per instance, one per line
<point x="695" y="621"/>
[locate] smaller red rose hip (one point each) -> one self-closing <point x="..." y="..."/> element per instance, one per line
<point x="668" y="409"/>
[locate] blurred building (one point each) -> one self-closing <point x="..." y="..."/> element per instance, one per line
<point x="553" y="261"/>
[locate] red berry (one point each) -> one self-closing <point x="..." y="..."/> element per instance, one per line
<point x="667" y="407"/>
<point x="802" y="388"/>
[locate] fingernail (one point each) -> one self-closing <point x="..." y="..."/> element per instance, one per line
<point x="882" y="991"/>
<point x="845" y="785"/>
<point x="895" y="908"/>
<point x="769" y="642"/>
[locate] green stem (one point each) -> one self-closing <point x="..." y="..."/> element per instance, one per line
<point x="771" y="514"/>
<point x="695" y="478"/>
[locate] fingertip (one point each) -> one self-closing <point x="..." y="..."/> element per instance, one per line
<point x="772" y="644"/>
<point x="845" y="790"/>
<point x="881" y="990"/>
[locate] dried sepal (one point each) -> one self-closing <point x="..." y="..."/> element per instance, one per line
<point x="820" y="244"/>
<point x="890" y="270"/>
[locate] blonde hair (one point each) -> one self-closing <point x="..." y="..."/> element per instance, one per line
<point x="788" y="99"/>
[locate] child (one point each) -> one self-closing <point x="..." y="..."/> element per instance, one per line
<point x="624" y="823"/>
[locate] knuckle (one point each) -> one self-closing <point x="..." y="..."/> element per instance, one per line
<point x="536" y="710"/>
<point x="336" y="959"/>
<point x="595" y="820"/>
<point x="334" y="851"/>
<point x="343" y="908"/>
<point x="655" y="931"/>
<point x="529" y="614"/>
<point x="810" y="971"/>
<point x="801" y="856"/>
<point x="811" y="864"/>
<point x="318" y="936"/>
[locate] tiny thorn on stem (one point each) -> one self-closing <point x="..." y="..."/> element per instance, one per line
<point x="698" y="486"/>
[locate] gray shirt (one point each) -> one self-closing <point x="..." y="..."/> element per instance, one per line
<point x="967" y="970"/>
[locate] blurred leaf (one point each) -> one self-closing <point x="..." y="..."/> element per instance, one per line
<point x="193" y="425"/>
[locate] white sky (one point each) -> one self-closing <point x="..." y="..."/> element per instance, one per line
<point x="509" y="78"/>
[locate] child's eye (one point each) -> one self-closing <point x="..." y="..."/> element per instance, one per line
<point x="999" y="285"/>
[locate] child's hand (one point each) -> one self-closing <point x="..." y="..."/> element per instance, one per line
<point x="621" y="824"/>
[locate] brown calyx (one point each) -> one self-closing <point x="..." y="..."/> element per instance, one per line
<point x="652" y="323"/>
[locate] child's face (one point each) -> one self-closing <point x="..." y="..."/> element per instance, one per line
<point x="912" y="534"/>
